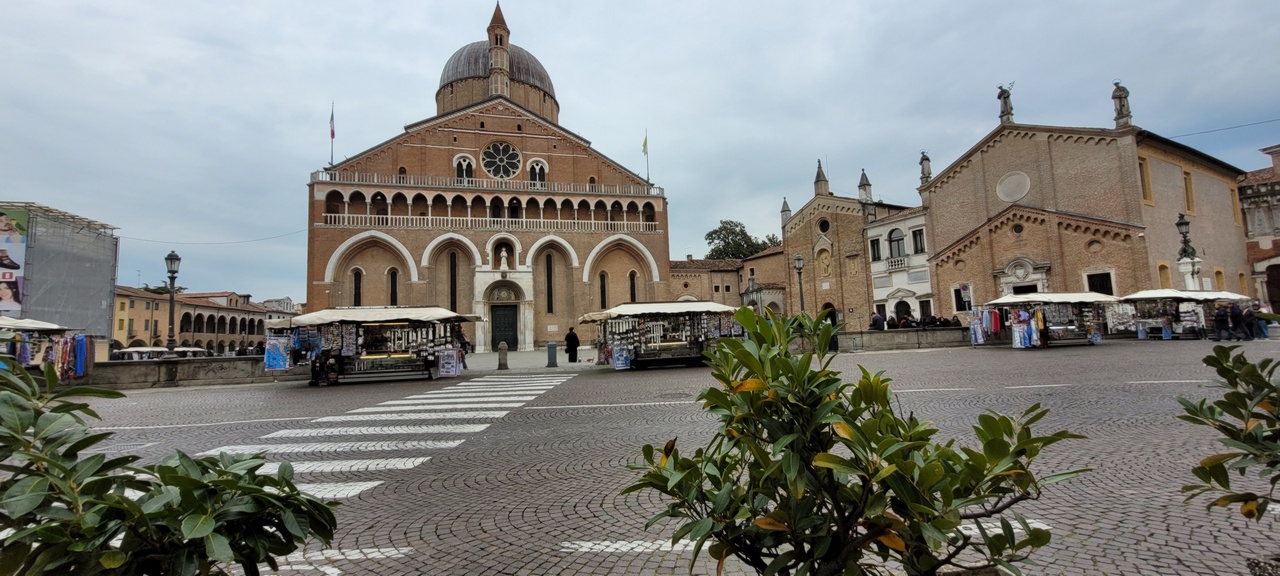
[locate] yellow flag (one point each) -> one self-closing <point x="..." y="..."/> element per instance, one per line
<point x="645" y="147"/>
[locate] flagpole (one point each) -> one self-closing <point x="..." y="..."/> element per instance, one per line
<point x="332" y="134"/>
<point x="646" y="155"/>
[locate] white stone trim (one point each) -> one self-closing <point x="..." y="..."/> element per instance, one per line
<point x="341" y="251"/>
<point x="488" y="247"/>
<point x="591" y="258"/>
<point x="550" y="239"/>
<point x="441" y="239"/>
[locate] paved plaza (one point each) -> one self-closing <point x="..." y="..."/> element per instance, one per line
<point x="518" y="472"/>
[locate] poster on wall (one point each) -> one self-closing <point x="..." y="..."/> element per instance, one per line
<point x="447" y="363"/>
<point x="277" y="353"/>
<point x="13" y="254"/>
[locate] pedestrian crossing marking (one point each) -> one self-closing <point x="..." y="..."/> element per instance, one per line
<point x="414" y="416"/>
<point x="429" y="400"/>
<point x="384" y="446"/>
<point x="336" y="489"/>
<point x="434" y="406"/>
<point x="367" y="430"/>
<point x="271" y="468"/>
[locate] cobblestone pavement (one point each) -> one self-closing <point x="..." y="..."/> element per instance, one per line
<point x="519" y="472"/>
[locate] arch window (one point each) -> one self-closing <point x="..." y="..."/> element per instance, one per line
<point x="495" y="208"/>
<point x="393" y="283"/>
<point x="551" y="285"/>
<point x="897" y="244"/>
<point x="453" y="281"/>
<point x="513" y="208"/>
<point x="464" y="168"/>
<point x="632" y="279"/>
<point x="604" y="291"/>
<point x="538" y="174"/>
<point x="334" y="203"/>
<point x="356" y="280"/>
<point x="1166" y="279"/>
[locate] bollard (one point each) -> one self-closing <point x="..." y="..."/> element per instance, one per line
<point x="502" y="355"/>
<point x="551" y="355"/>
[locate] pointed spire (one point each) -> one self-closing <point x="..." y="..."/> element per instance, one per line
<point x="786" y="214"/>
<point x="785" y="208"/>
<point x="864" y="187"/>
<point x="864" y="181"/>
<point x="820" y="185"/>
<point x="498" y="20"/>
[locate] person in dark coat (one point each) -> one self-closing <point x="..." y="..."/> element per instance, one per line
<point x="877" y="321"/>
<point x="571" y="345"/>
<point x="1222" y="324"/>
<point x="1237" y="321"/>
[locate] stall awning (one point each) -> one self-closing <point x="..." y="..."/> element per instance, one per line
<point x="1161" y="294"/>
<point x="656" y="309"/>
<point x="428" y="314"/>
<point x="1218" y="295"/>
<point x="28" y="325"/>
<point x="1054" y="298"/>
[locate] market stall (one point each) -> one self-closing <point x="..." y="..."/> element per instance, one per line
<point x="33" y="342"/>
<point x="1037" y="319"/>
<point x="638" y="335"/>
<point x="374" y="341"/>
<point x="1165" y="313"/>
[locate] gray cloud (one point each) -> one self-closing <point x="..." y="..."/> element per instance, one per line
<point x="196" y="122"/>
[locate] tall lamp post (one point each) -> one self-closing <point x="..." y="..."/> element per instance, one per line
<point x="171" y="263"/>
<point x="1188" y="263"/>
<point x="800" y="279"/>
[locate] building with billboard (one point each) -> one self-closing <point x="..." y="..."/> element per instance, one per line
<point x="57" y="267"/>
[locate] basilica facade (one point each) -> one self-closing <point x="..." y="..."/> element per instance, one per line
<point x="489" y="208"/>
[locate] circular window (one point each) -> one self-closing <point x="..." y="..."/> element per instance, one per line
<point x="1017" y="228"/>
<point x="1094" y="246"/>
<point x="960" y="264"/>
<point x="824" y="225"/>
<point x="686" y="284"/>
<point x="1013" y="186"/>
<point x="501" y="160"/>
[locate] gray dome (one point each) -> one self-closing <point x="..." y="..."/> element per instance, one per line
<point x="472" y="61"/>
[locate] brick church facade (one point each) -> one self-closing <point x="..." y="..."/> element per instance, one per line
<point x="489" y="208"/>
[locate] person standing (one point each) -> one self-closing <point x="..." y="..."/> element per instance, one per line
<point x="571" y="345"/>
<point x="1263" y="330"/>
<point x="1237" y="321"/>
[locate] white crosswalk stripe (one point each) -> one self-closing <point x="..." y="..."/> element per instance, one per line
<point x="386" y="446"/>
<point x="360" y="417"/>
<point x="271" y="468"/>
<point x="378" y="430"/>
<point x="446" y="405"/>
<point x="414" y="416"/>
<point x="486" y="398"/>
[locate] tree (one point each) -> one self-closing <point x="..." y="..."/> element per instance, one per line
<point x="731" y="240"/>
<point x="162" y="288"/>
<point x="810" y="475"/>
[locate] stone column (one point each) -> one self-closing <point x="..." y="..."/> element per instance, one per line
<point x="1189" y="267"/>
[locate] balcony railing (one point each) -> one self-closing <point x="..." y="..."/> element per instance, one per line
<point x="896" y="264"/>
<point x="457" y="223"/>
<point x="421" y="181"/>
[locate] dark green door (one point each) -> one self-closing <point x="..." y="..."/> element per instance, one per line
<point x="504" y="325"/>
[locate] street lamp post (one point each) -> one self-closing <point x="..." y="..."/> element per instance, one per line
<point x="800" y="279"/>
<point x="1188" y="263"/>
<point x="171" y="263"/>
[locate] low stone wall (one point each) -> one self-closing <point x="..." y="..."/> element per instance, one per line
<point x="909" y="339"/>
<point x="134" y="374"/>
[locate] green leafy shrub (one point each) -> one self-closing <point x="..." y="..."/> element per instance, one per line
<point x="808" y="474"/>
<point x="1247" y="418"/>
<point x="63" y="512"/>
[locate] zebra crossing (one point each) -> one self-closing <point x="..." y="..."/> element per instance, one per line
<point x="444" y="417"/>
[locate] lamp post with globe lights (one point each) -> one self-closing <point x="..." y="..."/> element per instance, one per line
<point x="171" y="263"/>
<point x="800" y="279"/>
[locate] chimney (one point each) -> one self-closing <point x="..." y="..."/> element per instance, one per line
<point x="688" y="257"/>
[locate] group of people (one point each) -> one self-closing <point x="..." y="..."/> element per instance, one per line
<point x="1234" y="322"/>
<point x="879" y="322"/>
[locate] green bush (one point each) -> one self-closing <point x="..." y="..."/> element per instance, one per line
<point x="808" y="474"/>
<point x="63" y="512"/>
<point x="1246" y="418"/>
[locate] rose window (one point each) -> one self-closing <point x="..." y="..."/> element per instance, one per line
<point x="501" y="160"/>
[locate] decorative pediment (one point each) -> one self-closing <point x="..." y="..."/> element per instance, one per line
<point x="900" y="293"/>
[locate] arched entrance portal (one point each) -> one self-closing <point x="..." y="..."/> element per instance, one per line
<point x="504" y="301"/>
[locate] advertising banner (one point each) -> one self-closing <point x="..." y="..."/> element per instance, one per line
<point x="13" y="254"/>
<point x="277" y="352"/>
<point x="447" y="365"/>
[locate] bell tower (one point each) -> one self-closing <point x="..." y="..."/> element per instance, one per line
<point x="499" y="68"/>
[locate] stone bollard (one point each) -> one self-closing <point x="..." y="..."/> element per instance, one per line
<point x="551" y="355"/>
<point x="502" y="356"/>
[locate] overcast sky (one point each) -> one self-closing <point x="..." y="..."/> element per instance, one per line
<point x="193" y="125"/>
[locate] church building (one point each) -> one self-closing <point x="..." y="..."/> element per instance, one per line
<point x="491" y="208"/>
